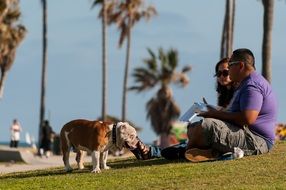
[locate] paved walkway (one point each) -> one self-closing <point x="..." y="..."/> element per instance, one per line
<point x="42" y="163"/>
<point x="38" y="163"/>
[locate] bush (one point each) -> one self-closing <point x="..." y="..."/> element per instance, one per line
<point x="280" y="131"/>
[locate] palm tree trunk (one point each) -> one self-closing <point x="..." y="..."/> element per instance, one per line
<point x="2" y="81"/>
<point x="44" y="67"/>
<point x="267" y="38"/>
<point x="164" y="140"/>
<point x="223" y="38"/>
<point x="228" y="24"/>
<point x="232" y="27"/>
<point x="104" y="63"/>
<point x="125" y="82"/>
<point x="228" y="28"/>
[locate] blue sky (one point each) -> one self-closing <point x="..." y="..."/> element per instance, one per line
<point x="74" y="59"/>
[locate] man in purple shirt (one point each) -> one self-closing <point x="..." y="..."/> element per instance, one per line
<point x="247" y="124"/>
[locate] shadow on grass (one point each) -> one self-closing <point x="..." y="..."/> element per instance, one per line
<point x="131" y="163"/>
<point x="114" y="164"/>
<point x="40" y="173"/>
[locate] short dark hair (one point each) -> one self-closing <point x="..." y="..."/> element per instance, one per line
<point x="245" y="55"/>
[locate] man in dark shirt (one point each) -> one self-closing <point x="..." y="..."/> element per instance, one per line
<point x="47" y="135"/>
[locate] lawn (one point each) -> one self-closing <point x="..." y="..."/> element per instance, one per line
<point x="255" y="172"/>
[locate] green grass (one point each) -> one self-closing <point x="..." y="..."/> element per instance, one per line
<point x="255" y="172"/>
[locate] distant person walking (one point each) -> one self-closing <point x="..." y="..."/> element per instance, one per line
<point x="46" y="140"/>
<point x="15" y="133"/>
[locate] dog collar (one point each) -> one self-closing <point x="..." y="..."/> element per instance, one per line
<point x="114" y="133"/>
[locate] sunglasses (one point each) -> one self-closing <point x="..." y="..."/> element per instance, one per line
<point x="233" y="63"/>
<point x="224" y="73"/>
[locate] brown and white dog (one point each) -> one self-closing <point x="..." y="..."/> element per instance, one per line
<point x="96" y="137"/>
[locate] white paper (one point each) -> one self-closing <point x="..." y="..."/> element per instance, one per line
<point x="193" y="111"/>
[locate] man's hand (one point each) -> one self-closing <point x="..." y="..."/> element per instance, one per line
<point x="211" y="113"/>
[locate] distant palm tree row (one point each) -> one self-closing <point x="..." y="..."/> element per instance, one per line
<point x="158" y="69"/>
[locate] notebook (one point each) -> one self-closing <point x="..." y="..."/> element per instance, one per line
<point x="193" y="111"/>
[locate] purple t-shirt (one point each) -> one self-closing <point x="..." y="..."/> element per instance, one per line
<point x="255" y="93"/>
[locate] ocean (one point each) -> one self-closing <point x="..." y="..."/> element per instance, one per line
<point x="21" y="144"/>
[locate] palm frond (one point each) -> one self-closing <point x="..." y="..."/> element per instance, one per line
<point x="163" y="58"/>
<point x="11" y="35"/>
<point x="7" y="61"/>
<point x="187" y="69"/>
<point x="173" y="59"/>
<point x="95" y="3"/>
<point x="149" y="12"/>
<point x="123" y="34"/>
<point x="151" y="62"/>
<point x="151" y="53"/>
<point x="129" y="11"/>
<point x="144" y="79"/>
<point x="181" y="79"/>
<point x="113" y="17"/>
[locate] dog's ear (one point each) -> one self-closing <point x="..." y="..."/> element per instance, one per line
<point x="123" y="126"/>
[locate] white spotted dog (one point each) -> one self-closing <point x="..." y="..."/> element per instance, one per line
<point x="96" y="137"/>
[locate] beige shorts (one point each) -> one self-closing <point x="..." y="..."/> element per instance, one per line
<point x="223" y="137"/>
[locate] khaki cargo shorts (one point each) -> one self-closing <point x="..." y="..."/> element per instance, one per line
<point x="223" y="137"/>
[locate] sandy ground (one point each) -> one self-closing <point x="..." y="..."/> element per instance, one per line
<point x="42" y="163"/>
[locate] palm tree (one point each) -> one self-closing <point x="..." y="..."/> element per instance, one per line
<point x="268" y="6"/>
<point x="126" y="14"/>
<point x="228" y="30"/>
<point x="44" y="67"/>
<point x="106" y="7"/>
<point x="11" y="35"/>
<point x="160" y="71"/>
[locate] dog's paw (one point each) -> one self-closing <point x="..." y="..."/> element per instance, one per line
<point x="96" y="170"/>
<point x="68" y="169"/>
<point x="106" y="167"/>
<point x="81" y="167"/>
